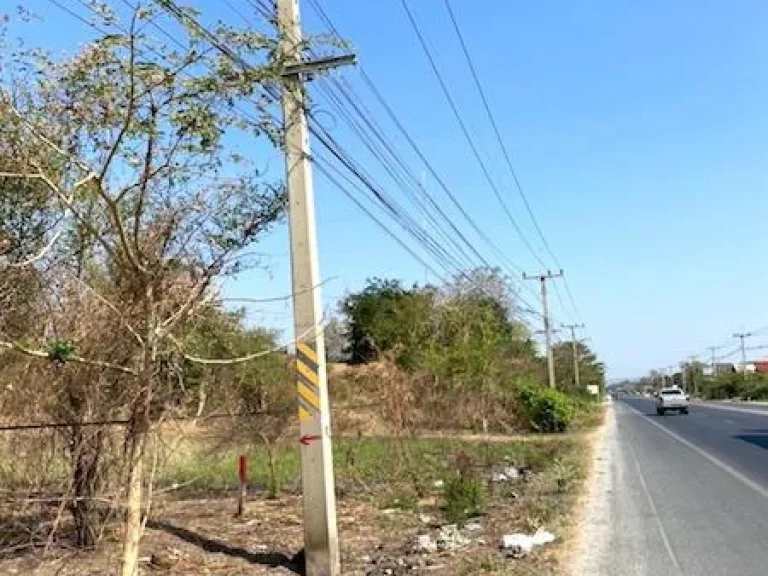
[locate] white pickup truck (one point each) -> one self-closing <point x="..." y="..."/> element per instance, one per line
<point x="671" y="399"/>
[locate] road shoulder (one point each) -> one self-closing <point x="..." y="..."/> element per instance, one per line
<point x="594" y="508"/>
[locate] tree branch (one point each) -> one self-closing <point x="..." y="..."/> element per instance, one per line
<point x="37" y="134"/>
<point x="131" y="101"/>
<point x="112" y="307"/>
<point x="40" y="255"/>
<point x="247" y="358"/>
<point x="145" y="176"/>
<point x="15" y="346"/>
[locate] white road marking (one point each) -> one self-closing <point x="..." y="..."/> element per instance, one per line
<point x="656" y="517"/>
<point x="701" y="452"/>
<point x="732" y="408"/>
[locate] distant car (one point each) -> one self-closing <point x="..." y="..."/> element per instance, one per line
<point x="671" y="399"/>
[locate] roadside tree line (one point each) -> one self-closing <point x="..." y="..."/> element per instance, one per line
<point x="467" y="351"/>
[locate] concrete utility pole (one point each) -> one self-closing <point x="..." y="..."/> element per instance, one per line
<point x="713" y="350"/>
<point x="321" y="544"/>
<point x="547" y="324"/>
<point x="684" y="376"/>
<point x="742" y="336"/>
<point x="574" y="344"/>
<point x="692" y="362"/>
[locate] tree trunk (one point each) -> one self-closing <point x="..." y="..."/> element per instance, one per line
<point x="87" y="452"/>
<point x="273" y="488"/>
<point x="132" y="523"/>
<point x="202" y="396"/>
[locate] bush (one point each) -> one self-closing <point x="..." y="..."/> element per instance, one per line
<point x="725" y="386"/>
<point x="464" y="493"/>
<point x="464" y="496"/>
<point x="546" y="409"/>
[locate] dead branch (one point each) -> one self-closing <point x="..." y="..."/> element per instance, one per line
<point x="77" y="359"/>
<point x="40" y="136"/>
<point x="40" y="255"/>
<point x="248" y="357"/>
<point x="112" y="307"/>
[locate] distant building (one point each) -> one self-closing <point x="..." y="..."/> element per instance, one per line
<point x="720" y="369"/>
<point x="749" y="367"/>
<point x="761" y="366"/>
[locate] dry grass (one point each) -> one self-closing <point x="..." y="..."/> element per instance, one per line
<point x="380" y="505"/>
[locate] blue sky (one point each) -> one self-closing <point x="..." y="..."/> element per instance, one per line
<point x="638" y="130"/>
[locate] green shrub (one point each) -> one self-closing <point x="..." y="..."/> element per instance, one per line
<point x="725" y="386"/>
<point x="464" y="497"/>
<point x="546" y="409"/>
<point x="464" y="492"/>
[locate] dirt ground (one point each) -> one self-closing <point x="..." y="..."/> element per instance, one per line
<point x="196" y="533"/>
<point x="201" y="537"/>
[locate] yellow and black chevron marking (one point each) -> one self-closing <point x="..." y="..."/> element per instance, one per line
<point x="307" y="380"/>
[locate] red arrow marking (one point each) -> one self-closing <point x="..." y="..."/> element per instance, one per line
<point x="307" y="438"/>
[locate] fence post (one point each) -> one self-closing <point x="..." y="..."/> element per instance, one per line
<point x="243" y="474"/>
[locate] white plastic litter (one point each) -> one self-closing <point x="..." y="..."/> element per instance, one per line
<point x="425" y="543"/>
<point x="542" y="537"/>
<point x="497" y="477"/>
<point x="511" y="473"/>
<point x="519" y="545"/>
<point x="516" y="545"/>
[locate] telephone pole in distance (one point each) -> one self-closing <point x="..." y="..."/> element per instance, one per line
<point x="321" y="543"/>
<point x="713" y="350"/>
<point x="742" y="336"/>
<point x="575" y="346"/>
<point x="691" y="366"/>
<point x="542" y="278"/>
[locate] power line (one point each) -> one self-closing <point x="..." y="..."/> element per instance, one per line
<point x="371" y="85"/>
<point x="399" y="179"/>
<point x="505" y="152"/>
<point x="378" y="222"/>
<point x="327" y="137"/>
<point x="416" y="189"/>
<point x="433" y="247"/>
<point x="496" y="129"/>
<point x="330" y="144"/>
<point x="333" y="148"/>
<point x="465" y="131"/>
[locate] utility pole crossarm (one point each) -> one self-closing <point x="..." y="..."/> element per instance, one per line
<point x="311" y="67"/>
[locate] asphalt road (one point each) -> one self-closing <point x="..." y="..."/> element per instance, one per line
<point x="680" y="494"/>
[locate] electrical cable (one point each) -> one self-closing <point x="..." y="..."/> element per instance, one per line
<point x="505" y="152"/>
<point x="465" y="131"/>
<point x="330" y="147"/>
<point x="370" y="84"/>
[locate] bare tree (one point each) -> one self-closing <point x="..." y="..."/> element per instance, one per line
<point x="134" y="145"/>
